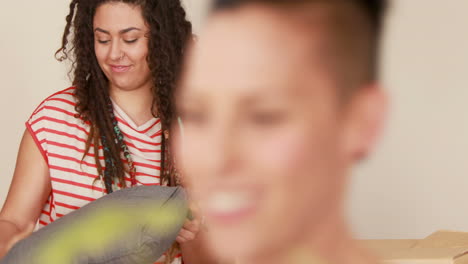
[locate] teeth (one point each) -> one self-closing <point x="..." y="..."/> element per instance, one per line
<point x="225" y="202"/>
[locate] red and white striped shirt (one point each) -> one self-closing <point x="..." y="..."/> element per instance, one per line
<point x="61" y="138"/>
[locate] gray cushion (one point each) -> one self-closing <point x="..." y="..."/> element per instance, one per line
<point x="135" y="225"/>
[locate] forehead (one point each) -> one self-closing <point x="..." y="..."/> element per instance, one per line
<point x="255" y="47"/>
<point x="118" y="15"/>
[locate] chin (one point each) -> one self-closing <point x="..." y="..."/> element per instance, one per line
<point x="236" y="244"/>
<point x="124" y="86"/>
<point x="125" y="83"/>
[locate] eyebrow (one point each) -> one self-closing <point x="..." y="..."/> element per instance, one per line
<point x="246" y="99"/>
<point x="123" y="31"/>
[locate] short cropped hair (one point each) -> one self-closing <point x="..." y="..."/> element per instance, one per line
<point x="355" y="28"/>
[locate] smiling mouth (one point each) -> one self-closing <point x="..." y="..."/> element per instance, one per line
<point x="231" y="206"/>
<point x="119" y="68"/>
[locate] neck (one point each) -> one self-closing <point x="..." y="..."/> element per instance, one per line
<point x="136" y="103"/>
<point x="329" y="242"/>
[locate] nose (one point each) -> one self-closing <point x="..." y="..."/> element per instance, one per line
<point x="223" y="150"/>
<point x="116" y="52"/>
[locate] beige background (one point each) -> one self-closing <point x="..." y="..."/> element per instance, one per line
<point x="417" y="181"/>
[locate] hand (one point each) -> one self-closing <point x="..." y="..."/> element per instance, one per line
<point x="189" y="231"/>
<point x="192" y="225"/>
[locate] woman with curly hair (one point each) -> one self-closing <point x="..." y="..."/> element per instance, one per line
<point x="110" y="130"/>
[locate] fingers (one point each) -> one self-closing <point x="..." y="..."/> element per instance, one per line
<point x="193" y="225"/>
<point x="185" y="236"/>
<point x="189" y="231"/>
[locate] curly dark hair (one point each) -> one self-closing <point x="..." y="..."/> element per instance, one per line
<point x="169" y="33"/>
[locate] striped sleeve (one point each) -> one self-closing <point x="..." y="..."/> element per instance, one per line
<point x="36" y="125"/>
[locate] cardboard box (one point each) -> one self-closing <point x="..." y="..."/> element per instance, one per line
<point x="377" y="245"/>
<point x="442" y="247"/>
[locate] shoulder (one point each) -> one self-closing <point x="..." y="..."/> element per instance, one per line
<point x="63" y="101"/>
<point x="60" y="105"/>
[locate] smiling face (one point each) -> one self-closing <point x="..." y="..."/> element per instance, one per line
<point x="121" y="45"/>
<point x="266" y="141"/>
<point x="261" y="146"/>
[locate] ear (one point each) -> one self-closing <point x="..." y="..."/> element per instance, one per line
<point x="365" y="118"/>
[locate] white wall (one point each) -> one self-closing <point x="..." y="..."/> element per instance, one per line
<point x="417" y="180"/>
<point x="30" y="33"/>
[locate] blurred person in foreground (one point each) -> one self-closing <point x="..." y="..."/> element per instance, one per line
<point x="277" y="102"/>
